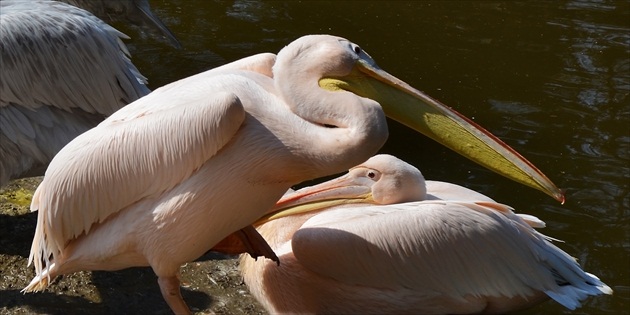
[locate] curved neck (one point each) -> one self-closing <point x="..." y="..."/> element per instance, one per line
<point x="340" y="129"/>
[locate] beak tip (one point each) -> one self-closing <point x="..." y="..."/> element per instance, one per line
<point x="560" y="196"/>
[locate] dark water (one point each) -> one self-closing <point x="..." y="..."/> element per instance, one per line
<point x="552" y="79"/>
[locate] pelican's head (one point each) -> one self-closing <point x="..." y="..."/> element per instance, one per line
<point x="350" y="68"/>
<point x="381" y="180"/>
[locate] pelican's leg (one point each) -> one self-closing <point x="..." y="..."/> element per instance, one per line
<point x="169" y="286"/>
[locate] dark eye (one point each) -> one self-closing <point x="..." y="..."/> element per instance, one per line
<point x="371" y="174"/>
<point x="357" y="50"/>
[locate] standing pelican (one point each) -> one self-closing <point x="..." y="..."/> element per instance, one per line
<point x="63" y="72"/>
<point x="137" y="12"/>
<point x="379" y="240"/>
<point x="164" y="179"/>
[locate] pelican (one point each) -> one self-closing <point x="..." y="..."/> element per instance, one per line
<point x="137" y="12"/>
<point x="164" y="179"/>
<point x="379" y="240"/>
<point x="63" y="71"/>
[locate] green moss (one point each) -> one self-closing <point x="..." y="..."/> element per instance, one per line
<point x="15" y="197"/>
<point x="21" y="197"/>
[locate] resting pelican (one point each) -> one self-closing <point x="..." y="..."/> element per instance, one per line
<point x="137" y="12"/>
<point x="63" y="72"/>
<point x="378" y="240"/>
<point x="164" y="179"/>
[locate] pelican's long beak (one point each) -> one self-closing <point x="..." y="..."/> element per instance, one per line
<point x="146" y="16"/>
<point x="339" y="191"/>
<point x="420" y="112"/>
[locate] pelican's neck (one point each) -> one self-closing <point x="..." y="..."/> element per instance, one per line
<point x="340" y="129"/>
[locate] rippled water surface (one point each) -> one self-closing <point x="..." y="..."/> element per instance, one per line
<point x="551" y="78"/>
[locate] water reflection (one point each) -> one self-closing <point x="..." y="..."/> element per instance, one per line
<point x="593" y="89"/>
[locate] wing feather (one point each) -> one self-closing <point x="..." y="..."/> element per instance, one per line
<point x="446" y="247"/>
<point x="449" y="191"/>
<point x="126" y="159"/>
<point x="55" y="54"/>
<point x="63" y="72"/>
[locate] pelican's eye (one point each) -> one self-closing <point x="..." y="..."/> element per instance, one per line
<point x="373" y="175"/>
<point x="357" y="49"/>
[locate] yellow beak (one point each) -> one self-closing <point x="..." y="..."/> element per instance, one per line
<point x="420" y="112"/>
<point x="339" y="191"/>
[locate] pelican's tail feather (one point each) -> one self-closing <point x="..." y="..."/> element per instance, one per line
<point x="40" y="281"/>
<point x="532" y="220"/>
<point x="571" y="296"/>
<point x="573" y="284"/>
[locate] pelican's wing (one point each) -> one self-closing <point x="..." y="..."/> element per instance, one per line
<point x="448" y="191"/>
<point x="260" y="63"/>
<point x="141" y="151"/>
<point x="63" y="72"/>
<point x="54" y="54"/>
<point x="179" y="91"/>
<point x="440" y="248"/>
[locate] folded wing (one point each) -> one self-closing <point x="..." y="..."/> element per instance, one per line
<point x="441" y="248"/>
<point x="127" y="158"/>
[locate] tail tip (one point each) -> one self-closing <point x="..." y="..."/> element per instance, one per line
<point x="37" y="284"/>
